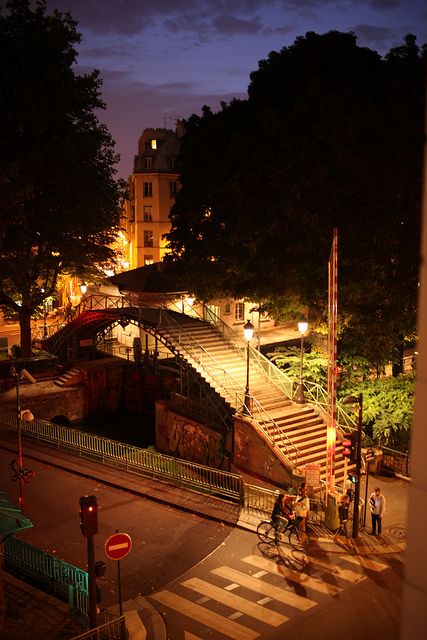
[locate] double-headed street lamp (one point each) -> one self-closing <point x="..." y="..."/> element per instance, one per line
<point x="248" y="331"/>
<point x="21" y="474"/>
<point x="302" y="328"/>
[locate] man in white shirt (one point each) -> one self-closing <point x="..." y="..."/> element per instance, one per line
<point x="377" y="505"/>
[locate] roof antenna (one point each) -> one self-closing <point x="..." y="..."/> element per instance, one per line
<point x="164" y="122"/>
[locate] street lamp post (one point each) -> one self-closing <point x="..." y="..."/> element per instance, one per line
<point x="45" y="320"/>
<point x="302" y="328"/>
<point x="21" y="474"/>
<point x="248" y="331"/>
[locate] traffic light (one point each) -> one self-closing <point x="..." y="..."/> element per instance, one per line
<point x="350" y="444"/>
<point x="88" y="515"/>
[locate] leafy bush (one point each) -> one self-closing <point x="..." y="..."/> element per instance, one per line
<point x="388" y="406"/>
<point x="388" y="403"/>
<point x="315" y="363"/>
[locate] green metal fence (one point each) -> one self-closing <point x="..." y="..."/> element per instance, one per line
<point x="185" y="474"/>
<point x="48" y="572"/>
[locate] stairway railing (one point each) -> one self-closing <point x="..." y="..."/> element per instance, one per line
<point x="203" y="358"/>
<point x="316" y="394"/>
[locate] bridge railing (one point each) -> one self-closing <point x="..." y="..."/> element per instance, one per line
<point x="181" y="472"/>
<point x="63" y="580"/>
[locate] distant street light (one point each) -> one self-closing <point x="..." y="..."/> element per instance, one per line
<point x="248" y="331"/>
<point x="45" y="320"/>
<point x="357" y="400"/>
<point x="302" y="328"/>
<point x="83" y="288"/>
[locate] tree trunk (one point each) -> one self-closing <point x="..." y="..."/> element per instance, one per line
<point x="397" y="367"/>
<point x="25" y="327"/>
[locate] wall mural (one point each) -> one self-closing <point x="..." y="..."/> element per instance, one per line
<point x="192" y="442"/>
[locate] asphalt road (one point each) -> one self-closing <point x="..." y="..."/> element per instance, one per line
<point x="248" y="590"/>
<point x="165" y="541"/>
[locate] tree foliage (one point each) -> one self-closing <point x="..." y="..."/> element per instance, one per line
<point x="388" y="408"/>
<point x="315" y="363"/>
<point x="59" y="201"/>
<point x="330" y="136"/>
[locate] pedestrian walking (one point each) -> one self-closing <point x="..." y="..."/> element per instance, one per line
<point x="377" y="506"/>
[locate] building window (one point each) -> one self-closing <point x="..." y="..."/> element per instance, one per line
<point x="147" y="163"/>
<point x="148" y="189"/>
<point x="148" y="238"/>
<point x="148" y="260"/>
<point x="239" y="311"/>
<point x="148" y="212"/>
<point x="172" y="162"/>
<point x="154" y="144"/>
<point x="227" y="309"/>
<point x="172" y="190"/>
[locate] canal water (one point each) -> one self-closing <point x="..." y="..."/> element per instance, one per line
<point x="124" y="426"/>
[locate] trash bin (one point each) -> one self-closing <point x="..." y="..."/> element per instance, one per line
<point x="332" y="520"/>
<point x="375" y="462"/>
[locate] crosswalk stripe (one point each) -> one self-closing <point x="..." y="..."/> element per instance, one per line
<point x="365" y="563"/>
<point x="235" y="601"/>
<point x="209" y="618"/>
<point x="301" y="578"/>
<point x="264" y="588"/>
<point x="339" y="572"/>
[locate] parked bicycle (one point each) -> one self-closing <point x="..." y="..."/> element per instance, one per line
<point x="268" y="531"/>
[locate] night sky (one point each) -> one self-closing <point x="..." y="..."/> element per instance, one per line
<point x="164" y="59"/>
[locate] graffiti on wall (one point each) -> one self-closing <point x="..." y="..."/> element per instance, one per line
<point x="192" y="442"/>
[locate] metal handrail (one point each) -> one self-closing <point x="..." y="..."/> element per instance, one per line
<point x="277" y="429"/>
<point x="134" y="459"/>
<point x="239" y="392"/>
<point x="64" y="580"/>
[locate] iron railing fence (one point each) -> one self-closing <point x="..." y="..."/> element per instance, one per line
<point x="271" y="430"/>
<point x="398" y="461"/>
<point x="110" y="626"/>
<point x="63" y="580"/>
<point x="182" y="473"/>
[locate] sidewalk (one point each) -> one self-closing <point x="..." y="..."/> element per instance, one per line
<point x="147" y="618"/>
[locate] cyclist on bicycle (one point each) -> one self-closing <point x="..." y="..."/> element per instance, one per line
<point x="283" y="513"/>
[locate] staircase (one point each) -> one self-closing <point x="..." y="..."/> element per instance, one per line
<point x="69" y="379"/>
<point x="295" y="433"/>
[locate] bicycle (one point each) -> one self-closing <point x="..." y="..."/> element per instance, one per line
<point x="267" y="531"/>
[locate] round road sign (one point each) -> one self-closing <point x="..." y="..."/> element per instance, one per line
<point x="118" y="546"/>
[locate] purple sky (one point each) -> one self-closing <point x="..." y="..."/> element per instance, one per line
<point x="164" y="59"/>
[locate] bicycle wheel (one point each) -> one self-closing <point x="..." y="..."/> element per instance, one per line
<point x="294" y="539"/>
<point x="297" y="538"/>
<point x="266" y="531"/>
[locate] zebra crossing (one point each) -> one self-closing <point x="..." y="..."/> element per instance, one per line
<point x="261" y="594"/>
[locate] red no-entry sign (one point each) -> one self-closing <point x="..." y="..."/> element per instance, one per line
<point x="118" y="546"/>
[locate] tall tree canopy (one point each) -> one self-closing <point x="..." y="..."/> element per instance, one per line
<point x="59" y="201"/>
<point x="330" y="136"/>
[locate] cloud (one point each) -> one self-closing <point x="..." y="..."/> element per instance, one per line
<point x="230" y="25"/>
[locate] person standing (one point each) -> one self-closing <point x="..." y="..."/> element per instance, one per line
<point x="302" y="507"/>
<point x="377" y="506"/>
<point x="343" y="516"/>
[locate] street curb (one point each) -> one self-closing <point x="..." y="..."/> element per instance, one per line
<point x="137" y="492"/>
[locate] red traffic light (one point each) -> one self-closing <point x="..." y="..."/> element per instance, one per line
<point x="88" y="515"/>
<point x="349" y="444"/>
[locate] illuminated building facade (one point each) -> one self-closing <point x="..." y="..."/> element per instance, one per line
<point x="152" y="189"/>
